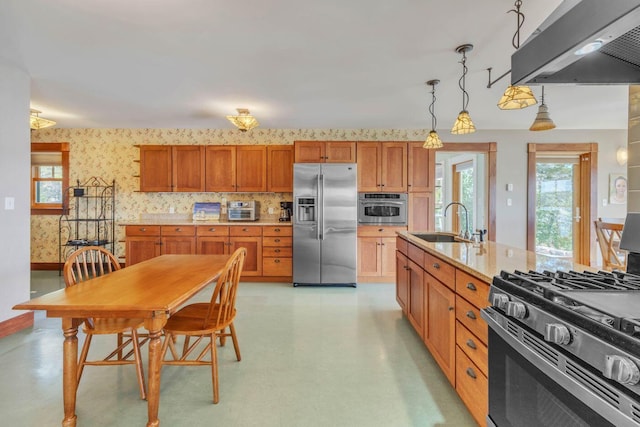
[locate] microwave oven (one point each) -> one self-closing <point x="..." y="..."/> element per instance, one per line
<point x="382" y="209"/>
<point x="243" y="211"/>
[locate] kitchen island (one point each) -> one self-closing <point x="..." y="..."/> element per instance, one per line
<point x="441" y="287"/>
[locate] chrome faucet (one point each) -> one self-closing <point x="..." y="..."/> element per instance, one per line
<point x="463" y="234"/>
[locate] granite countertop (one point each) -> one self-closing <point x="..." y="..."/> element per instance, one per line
<point x="181" y="219"/>
<point x="486" y="260"/>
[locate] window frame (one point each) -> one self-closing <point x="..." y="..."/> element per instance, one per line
<point x="51" y="147"/>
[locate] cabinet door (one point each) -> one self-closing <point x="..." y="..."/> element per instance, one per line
<point x="421" y="173"/>
<point x="251" y="168"/>
<point x="220" y="168"/>
<point x="402" y="281"/>
<point x="416" y="297"/>
<point x="280" y="168"/>
<point x="368" y="154"/>
<point x="369" y="256"/>
<point x="420" y="215"/>
<point x="388" y="256"/>
<point x="440" y="325"/>
<point x="393" y="167"/>
<point x="155" y="168"/>
<point x="178" y="245"/>
<point x="253" y="261"/>
<point x="340" y="152"/>
<point x="188" y="168"/>
<point x="212" y="245"/>
<point x="309" y="151"/>
<point x="141" y="248"/>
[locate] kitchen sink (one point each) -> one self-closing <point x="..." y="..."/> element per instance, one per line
<point x="437" y="237"/>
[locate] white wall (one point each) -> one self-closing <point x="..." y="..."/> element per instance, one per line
<point x="15" y="161"/>
<point x="511" y="221"/>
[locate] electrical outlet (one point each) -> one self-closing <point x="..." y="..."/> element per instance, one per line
<point x="509" y="202"/>
<point x="270" y="211"/>
<point x="9" y="203"/>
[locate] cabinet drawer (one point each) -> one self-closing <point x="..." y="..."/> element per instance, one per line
<point x="276" y="266"/>
<point x="472" y="347"/>
<point x="441" y="270"/>
<point x="472" y="387"/>
<point x="274" y="251"/>
<point x="416" y="255"/>
<point x="178" y="230"/>
<point x="239" y="230"/>
<point x="473" y="290"/>
<point x="276" y="241"/>
<point x="142" y="230"/>
<point x="402" y="245"/>
<point x="469" y="316"/>
<point x="277" y="231"/>
<point x="212" y="230"/>
<point x="378" y="231"/>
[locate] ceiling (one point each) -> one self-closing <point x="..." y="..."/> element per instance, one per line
<point x="355" y="64"/>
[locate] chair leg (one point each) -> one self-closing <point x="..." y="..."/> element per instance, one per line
<point x="139" y="369"/>
<point x="214" y="368"/>
<point x="223" y="338"/>
<point x="234" y="338"/>
<point x="83" y="357"/>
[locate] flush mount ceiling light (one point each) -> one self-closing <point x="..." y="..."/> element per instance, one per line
<point x="244" y="121"/>
<point x="37" y="122"/>
<point x="542" y="121"/>
<point x="463" y="123"/>
<point x="433" y="140"/>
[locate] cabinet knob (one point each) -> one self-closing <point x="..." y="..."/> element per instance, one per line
<point x="451" y="308"/>
<point x="277" y="251"/>
<point x="436" y="265"/>
<point x="276" y="240"/>
<point x="277" y="261"/>
<point x="471" y="286"/>
<point x="277" y="230"/>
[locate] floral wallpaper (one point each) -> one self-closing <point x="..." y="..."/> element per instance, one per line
<point x="111" y="153"/>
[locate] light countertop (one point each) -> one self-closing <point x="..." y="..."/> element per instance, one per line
<point x="486" y="260"/>
<point x="179" y="219"/>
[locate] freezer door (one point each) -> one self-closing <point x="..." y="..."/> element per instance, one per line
<point x="339" y="223"/>
<point x="306" y="241"/>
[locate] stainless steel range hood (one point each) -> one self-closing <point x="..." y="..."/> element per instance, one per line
<point x="548" y="56"/>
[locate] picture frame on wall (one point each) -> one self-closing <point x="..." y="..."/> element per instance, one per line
<point x="618" y="188"/>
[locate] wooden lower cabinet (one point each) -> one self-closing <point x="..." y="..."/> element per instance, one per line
<point x="449" y="300"/>
<point x="377" y="253"/>
<point x="277" y="251"/>
<point x="178" y="240"/>
<point x="141" y="248"/>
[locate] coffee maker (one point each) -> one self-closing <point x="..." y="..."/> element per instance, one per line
<point x="285" y="211"/>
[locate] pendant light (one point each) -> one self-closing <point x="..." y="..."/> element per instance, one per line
<point x="542" y="121"/>
<point x="517" y="97"/>
<point x="433" y="140"/>
<point x="463" y="123"/>
<point x="244" y="121"/>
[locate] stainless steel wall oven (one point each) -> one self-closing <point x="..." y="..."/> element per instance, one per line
<point x="382" y="208"/>
<point x="564" y="349"/>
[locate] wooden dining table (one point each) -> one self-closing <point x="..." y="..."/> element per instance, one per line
<point x="151" y="290"/>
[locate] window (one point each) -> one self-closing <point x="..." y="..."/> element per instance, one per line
<point x="49" y="177"/>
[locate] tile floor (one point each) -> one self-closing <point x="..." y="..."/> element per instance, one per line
<point x="310" y="357"/>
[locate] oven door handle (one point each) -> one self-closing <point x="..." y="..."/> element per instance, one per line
<point x="382" y="203"/>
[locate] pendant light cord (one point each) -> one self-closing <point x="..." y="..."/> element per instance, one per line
<point x="462" y="82"/>
<point x="432" y="107"/>
<point x="515" y="41"/>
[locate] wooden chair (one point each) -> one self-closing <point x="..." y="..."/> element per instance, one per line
<point x="87" y="263"/>
<point x="608" y="235"/>
<point x="207" y="320"/>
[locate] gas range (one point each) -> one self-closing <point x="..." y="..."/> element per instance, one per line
<point x="579" y="327"/>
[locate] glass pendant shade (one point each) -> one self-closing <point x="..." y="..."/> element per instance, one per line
<point x="516" y="98"/>
<point x="542" y="121"/>
<point x="244" y="121"/>
<point x="463" y="124"/>
<point x="37" y="122"/>
<point x="433" y="141"/>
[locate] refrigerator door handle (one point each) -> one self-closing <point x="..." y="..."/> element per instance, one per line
<point x="319" y="210"/>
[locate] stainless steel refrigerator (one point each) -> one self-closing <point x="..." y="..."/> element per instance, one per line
<point x="325" y="224"/>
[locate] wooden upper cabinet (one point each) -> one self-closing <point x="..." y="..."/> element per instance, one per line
<point x="220" y="168"/>
<point x="382" y="166"/>
<point x="421" y="174"/>
<point x="155" y="168"/>
<point x="325" y="152"/>
<point x="251" y="168"/>
<point x="421" y="208"/>
<point x="280" y="168"/>
<point x="188" y="168"/>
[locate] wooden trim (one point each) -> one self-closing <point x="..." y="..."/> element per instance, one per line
<point x="53" y="266"/>
<point x="63" y="148"/>
<point x="531" y="198"/>
<point x="15" y="324"/>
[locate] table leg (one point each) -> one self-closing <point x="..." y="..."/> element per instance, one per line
<point x="69" y="370"/>
<point x="154" y="326"/>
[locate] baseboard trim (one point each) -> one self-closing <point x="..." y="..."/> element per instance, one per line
<point x="16" y="324"/>
<point x="45" y="266"/>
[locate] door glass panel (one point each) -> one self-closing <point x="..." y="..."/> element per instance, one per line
<point x="555" y="205"/>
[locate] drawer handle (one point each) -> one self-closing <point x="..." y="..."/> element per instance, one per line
<point x="471" y="286"/>
<point x="277" y="230"/>
<point x="471" y="373"/>
<point x="245" y="229"/>
<point x="451" y="308"/>
<point x="406" y="267"/>
<point x="277" y="261"/>
<point x="277" y="240"/>
<point x="143" y="229"/>
<point x="471" y="315"/>
<point x="436" y="265"/>
<point x="471" y="344"/>
<point x="212" y="229"/>
<point x="178" y="229"/>
<point x="380" y="229"/>
<point x="277" y="251"/>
